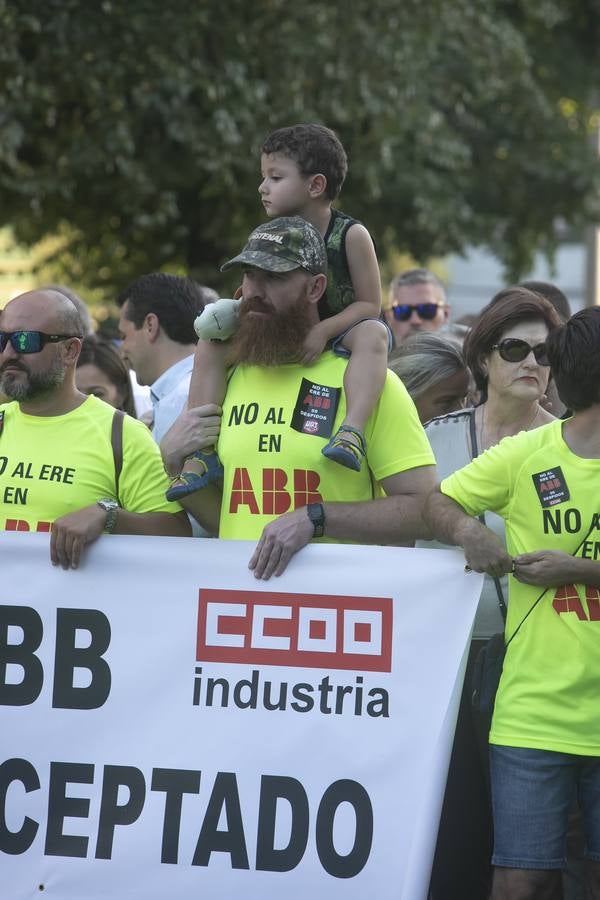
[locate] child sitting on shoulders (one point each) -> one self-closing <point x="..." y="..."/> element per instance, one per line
<point x="303" y="169"/>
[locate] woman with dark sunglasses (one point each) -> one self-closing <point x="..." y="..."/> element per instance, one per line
<point x="505" y="351"/>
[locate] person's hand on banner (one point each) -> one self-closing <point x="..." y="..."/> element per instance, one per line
<point x="279" y="541"/>
<point x="72" y="532"/>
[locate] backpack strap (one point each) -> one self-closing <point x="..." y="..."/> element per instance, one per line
<point x="116" y="440"/>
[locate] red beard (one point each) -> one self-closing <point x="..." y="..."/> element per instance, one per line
<point x="272" y="339"/>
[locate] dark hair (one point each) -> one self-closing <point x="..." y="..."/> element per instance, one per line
<point x="315" y="149"/>
<point x="509" y="307"/>
<point x="574" y="354"/>
<point x="176" y="301"/>
<point x="552" y="294"/>
<point x="104" y="355"/>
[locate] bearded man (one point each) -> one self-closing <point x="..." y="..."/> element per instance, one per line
<point x="62" y="467"/>
<point x="278" y="414"/>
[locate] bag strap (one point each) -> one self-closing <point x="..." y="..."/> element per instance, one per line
<point x="474" y="454"/>
<point x="116" y="440"/>
<point x="545" y="591"/>
<point x="500" y="595"/>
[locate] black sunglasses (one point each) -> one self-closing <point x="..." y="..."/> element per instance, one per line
<point x="30" y="341"/>
<point x="515" y="350"/>
<point x="403" y="311"/>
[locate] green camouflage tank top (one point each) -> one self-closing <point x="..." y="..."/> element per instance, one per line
<point x="339" y="293"/>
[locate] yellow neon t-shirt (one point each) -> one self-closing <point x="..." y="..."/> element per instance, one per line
<point x="549" y="498"/>
<point x="53" y="465"/>
<point x="275" y="423"/>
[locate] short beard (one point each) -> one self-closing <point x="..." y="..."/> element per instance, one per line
<point x="35" y="386"/>
<point x="272" y="340"/>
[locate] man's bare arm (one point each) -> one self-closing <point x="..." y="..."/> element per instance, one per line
<point x="205" y="506"/>
<point x="153" y="523"/>
<point x="71" y="533"/>
<point x="195" y="429"/>
<point x="450" y="524"/>
<point x="395" y="519"/>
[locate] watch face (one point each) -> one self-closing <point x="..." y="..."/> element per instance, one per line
<point x="110" y="507"/>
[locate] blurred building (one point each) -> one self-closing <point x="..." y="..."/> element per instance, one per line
<point x="475" y="278"/>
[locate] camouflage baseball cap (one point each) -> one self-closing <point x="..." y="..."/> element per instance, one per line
<point x="283" y="245"/>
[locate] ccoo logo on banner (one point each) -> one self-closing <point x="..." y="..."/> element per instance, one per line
<point x="162" y="737"/>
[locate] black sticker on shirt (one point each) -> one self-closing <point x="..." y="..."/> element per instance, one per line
<point x="1" y="421"/>
<point x="551" y="487"/>
<point x="315" y="409"/>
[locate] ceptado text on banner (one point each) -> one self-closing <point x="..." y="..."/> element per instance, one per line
<point x="175" y="783"/>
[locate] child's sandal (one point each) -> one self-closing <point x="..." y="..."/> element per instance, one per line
<point x="344" y="451"/>
<point x="190" y="482"/>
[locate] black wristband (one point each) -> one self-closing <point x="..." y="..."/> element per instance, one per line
<point x="316" y="514"/>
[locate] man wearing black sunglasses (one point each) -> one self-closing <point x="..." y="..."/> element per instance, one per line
<point x="57" y="453"/>
<point x="417" y="302"/>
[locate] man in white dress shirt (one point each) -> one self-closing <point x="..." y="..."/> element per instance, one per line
<point x="157" y="330"/>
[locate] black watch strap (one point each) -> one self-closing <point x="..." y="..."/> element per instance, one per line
<point x="316" y="514"/>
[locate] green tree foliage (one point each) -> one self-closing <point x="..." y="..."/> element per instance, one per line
<point x="133" y="130"/>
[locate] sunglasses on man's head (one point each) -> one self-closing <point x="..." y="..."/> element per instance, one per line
<point x="30" y="341"/>
<point x="403" y="311"/>
<point x="515" y="350"/>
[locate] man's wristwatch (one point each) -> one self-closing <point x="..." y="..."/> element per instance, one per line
<point x="111" y="508"/>
<point x="316" y="514"/>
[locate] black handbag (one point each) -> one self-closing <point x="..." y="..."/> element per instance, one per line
<point x="485" y="680"/>
<point x="487" y="672"/>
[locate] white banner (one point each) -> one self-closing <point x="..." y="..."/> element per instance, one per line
<point x="170" y="727"/>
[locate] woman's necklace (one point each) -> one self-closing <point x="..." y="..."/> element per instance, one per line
<point x="483" y="446"/>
